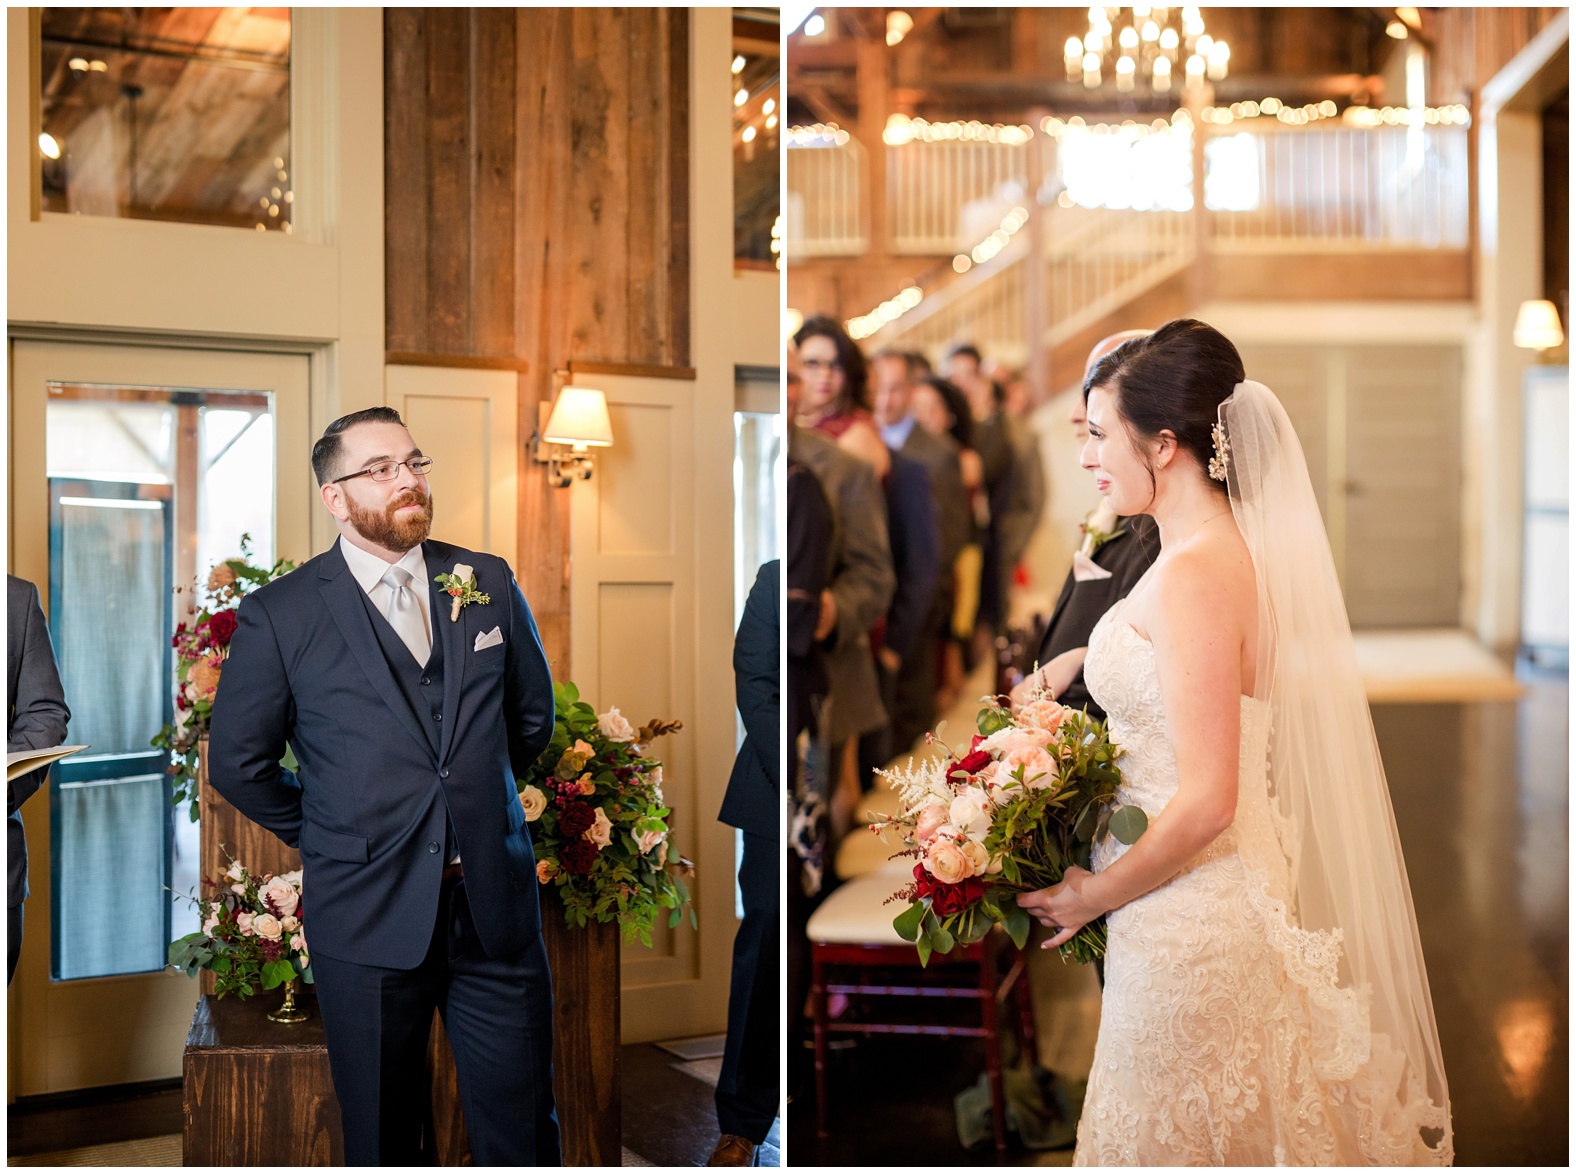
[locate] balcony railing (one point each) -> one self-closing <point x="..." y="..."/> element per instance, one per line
<point x="1267" y="186"/>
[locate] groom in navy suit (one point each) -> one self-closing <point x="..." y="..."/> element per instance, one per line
<point x="409" y="728"/>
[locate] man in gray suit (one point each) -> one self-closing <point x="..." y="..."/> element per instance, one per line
<point x="37" y="717"/>
<point x="861" y="589"/>
<point x="894" y="375"/>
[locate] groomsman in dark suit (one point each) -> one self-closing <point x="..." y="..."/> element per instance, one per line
<point x="36" y="716"/>
<point x="1114" y="555"/>
<point x="747" y="1089"/>
<point x="411" y="713"/>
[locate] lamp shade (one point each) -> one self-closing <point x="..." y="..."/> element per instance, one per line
<point x="1538" y="326"/>
<point x="579" y="418"/>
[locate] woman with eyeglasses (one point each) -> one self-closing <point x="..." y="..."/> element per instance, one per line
<point x="835" y="393"/>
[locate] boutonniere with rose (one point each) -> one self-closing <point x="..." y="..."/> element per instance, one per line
<point x="1099" y="527"/>
<point x="461" y="584"/>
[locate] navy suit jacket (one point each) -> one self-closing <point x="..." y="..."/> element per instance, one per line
<point x="754" y="797"/>
<point x="372" y="798"/>
<point x="36" y="714"/>
<point x="915" y="534"/>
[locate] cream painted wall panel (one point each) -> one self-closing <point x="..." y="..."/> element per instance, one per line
<point x="468" y="422"/>
<point x="757" y="338"/>
<point x="635" y="505"/>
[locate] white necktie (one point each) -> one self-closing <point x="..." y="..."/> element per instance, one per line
<point x="404" y="613"/>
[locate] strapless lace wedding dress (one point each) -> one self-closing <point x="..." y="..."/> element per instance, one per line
<point x="1226" y="1035"/>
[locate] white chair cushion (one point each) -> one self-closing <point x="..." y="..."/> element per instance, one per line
<point x="858" y="912"/>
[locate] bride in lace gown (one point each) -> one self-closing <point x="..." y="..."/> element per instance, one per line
<point x="1265" y="999"/>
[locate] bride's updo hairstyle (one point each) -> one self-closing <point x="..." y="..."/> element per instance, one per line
<point x="1173" y="379"/>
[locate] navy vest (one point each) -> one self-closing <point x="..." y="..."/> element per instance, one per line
<point x="421" y="686"/>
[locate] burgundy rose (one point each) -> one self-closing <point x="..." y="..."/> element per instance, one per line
<point x="975" y="761"/>
<point x="578" y="856"/>
<point x="221" y="627"/>
<point x="948" y="899"/>
<point x="575" y="820"/>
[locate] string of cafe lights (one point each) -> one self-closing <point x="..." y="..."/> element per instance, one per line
<point x="864" y="325"/>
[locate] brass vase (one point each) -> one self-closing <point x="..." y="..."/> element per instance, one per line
<point x="288" y="1011"/>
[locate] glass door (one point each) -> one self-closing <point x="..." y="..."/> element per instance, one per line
<point x="134" y="469"/>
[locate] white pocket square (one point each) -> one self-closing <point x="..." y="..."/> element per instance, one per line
<point x="488" y="640"/>
<point x="1085" y="568"/>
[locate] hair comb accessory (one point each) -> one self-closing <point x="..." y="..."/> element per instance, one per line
<point x="1222" y="457"/>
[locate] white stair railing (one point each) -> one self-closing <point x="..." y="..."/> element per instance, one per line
<point x="1096" y="262"/>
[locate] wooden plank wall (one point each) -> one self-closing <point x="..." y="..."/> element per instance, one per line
<point x="537" y="207"/>
<point x="1471" y="45"/>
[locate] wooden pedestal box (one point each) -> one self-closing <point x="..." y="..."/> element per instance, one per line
<point x="260" y="1094"/>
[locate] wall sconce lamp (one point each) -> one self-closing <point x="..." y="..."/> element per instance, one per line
<point x="1537" y="326"/>
<point x="579" y="419"/>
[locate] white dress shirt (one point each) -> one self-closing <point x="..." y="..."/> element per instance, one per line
<point x="369" y="570"/>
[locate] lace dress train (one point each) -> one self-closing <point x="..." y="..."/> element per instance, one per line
<point x="1226" y="1036"/>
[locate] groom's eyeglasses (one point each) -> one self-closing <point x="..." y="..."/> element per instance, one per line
<point x="388" y="470"/>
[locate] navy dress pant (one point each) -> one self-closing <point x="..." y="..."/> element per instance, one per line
<point x="748" y="1091"/>
<point x="499" y="1016"/>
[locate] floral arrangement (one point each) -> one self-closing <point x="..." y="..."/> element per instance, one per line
<point x="1030" y="797"/>
<point x="601" y="830"/>
<point x="252" y="936"/>
<point x="201" y="647"/>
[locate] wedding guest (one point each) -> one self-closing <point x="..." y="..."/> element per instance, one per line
<point x="810" y="552"/>
<point x="915" y="537"/>
<point x="748" y="1093"/>
<point x="835" y="394"/>
<point x="991" y="440"/>
<point x="1114" y="555"/>
<point x="943" y="410"/>
<point x="1024" y="502"/>
<point x="36" y="720"/>
<point x="411" y="717"/>
<point x="914" y="698"/>
<point x="860" y="592"/>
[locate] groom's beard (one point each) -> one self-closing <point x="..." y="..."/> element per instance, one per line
<point x="389" y="531"/>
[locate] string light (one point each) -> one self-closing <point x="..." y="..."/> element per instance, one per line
<point x="888" y="311"/>
<point x="902" y="129"/>
<point x="738" y="64"/>
<point x="820" y="134"/>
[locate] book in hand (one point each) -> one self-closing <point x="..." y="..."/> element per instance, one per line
<point x="20" y="762"/>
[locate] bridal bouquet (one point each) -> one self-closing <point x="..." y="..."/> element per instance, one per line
<point x="252" y="936"/>
<point x="200" y="650"/>
<point x="602" y="833"/>
<point x="1030" y="797"/>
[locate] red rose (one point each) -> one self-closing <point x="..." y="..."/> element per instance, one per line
<point x="575" y="820"/>
<point x="947" y="899"/>
<point x="221" y="627"/>
<point x="578" y="856"/>
<point x="975" y="761"/>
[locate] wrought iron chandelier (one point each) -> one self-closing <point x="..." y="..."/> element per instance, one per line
<point x="1145" y="46"/>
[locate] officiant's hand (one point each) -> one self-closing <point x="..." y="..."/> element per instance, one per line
<point x="1067" y="906"/>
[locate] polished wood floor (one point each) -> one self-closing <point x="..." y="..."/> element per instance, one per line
<point x="1481" y="794"/>
<point x="669" y="1116"/>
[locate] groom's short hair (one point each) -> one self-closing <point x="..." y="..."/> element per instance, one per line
<point x="325" y="453"/>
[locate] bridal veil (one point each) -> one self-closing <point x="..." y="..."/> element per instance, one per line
<point x="1327" y="785"/>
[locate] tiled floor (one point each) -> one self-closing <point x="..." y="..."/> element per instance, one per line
<point x="1481" y="799"/>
